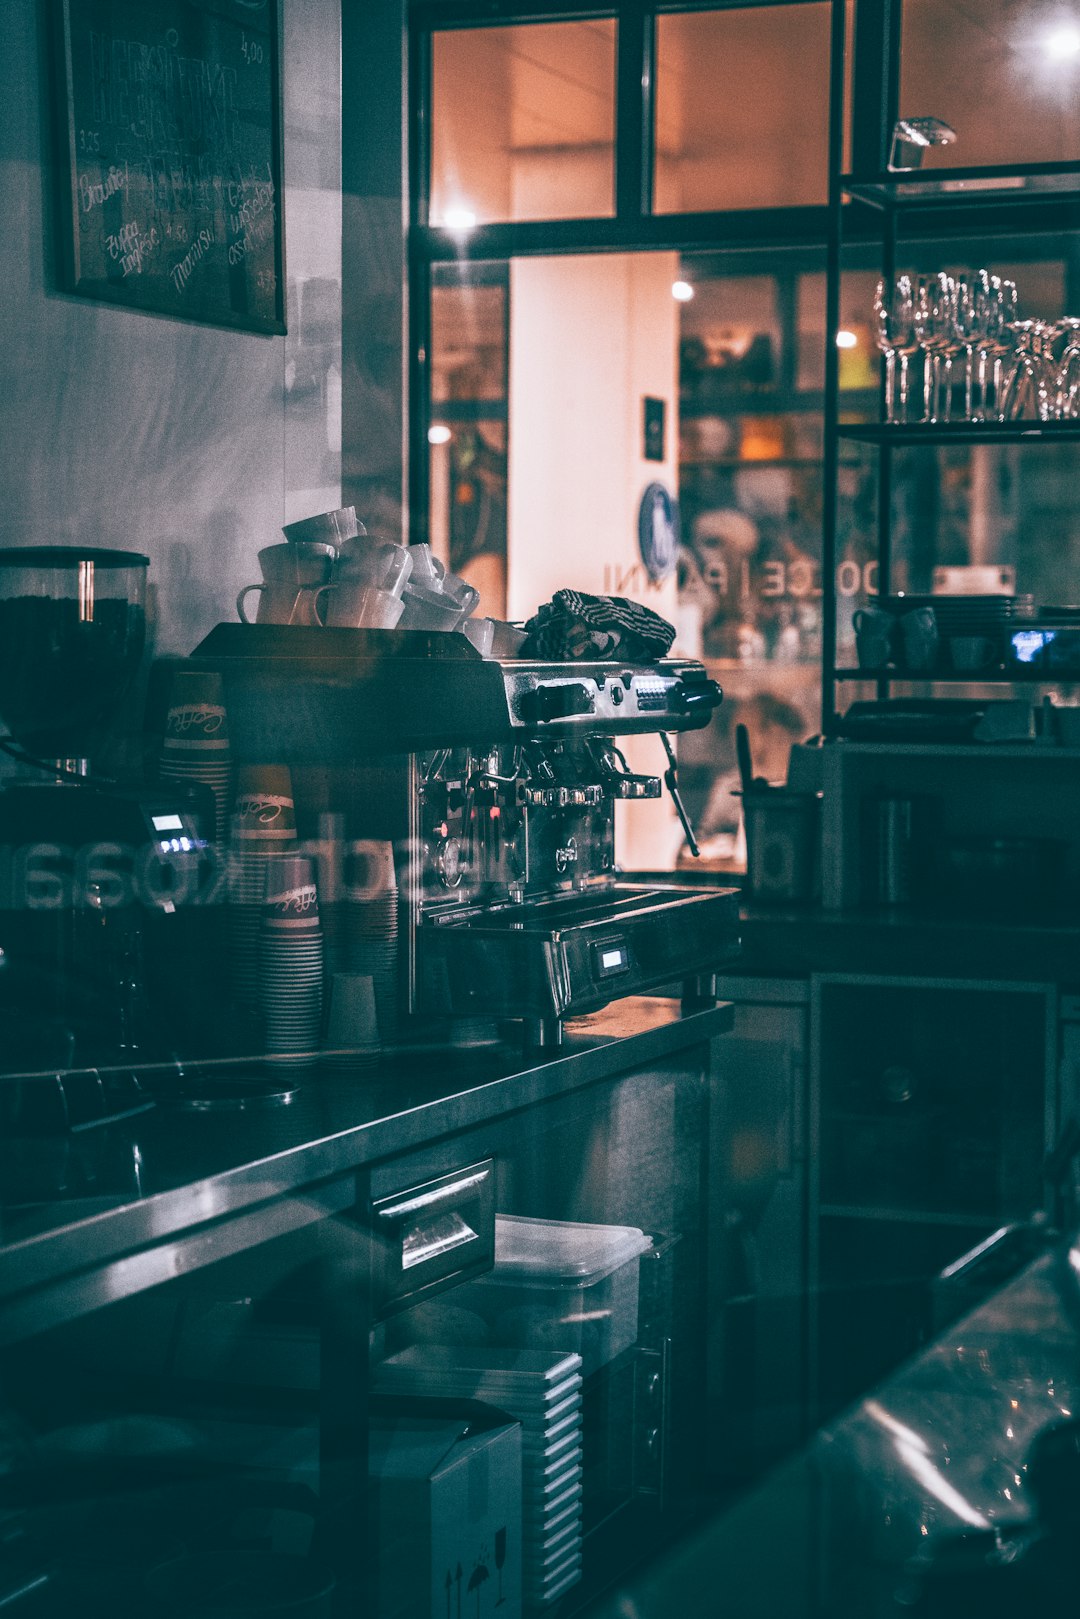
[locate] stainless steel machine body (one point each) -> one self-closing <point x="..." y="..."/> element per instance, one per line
<point x="498" y="782"/>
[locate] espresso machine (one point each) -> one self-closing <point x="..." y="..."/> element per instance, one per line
<point x="497" y="782"/>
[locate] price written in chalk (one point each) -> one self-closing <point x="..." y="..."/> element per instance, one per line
<point x="251" y="51"/>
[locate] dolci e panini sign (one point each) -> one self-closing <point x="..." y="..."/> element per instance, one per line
<point x="169" y="117"/>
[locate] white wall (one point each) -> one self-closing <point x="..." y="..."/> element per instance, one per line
<point x="190" y="443"/>
<point x="589" y="338"/>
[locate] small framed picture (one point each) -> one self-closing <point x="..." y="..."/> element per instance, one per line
<point x="653" y="418"/>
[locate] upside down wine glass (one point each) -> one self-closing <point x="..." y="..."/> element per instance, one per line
<point x="894" y="333"/>
<point x="935" y="301"/>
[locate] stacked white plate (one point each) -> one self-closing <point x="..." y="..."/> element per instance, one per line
<point x="291" y="965"/>
<point x="542" y="1389"/>
<point x="368" y="924"/>
<point x="195" y="748"/>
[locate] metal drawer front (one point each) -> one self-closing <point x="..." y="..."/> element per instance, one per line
<point x="430" y="1236"/>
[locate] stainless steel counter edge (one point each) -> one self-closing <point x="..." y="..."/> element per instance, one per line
<point x="151" y="1239"/>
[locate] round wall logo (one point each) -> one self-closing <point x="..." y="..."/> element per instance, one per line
<point x="658" y="531"/>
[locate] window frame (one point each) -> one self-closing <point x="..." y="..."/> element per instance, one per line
<point x="633" y="227"/>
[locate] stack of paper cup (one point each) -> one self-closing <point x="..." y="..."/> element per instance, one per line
<point x="195" y="747"/>
<point x="328" y="852"/>
<point x="291" y="964"/>
<point x="370" y="927"/>
<point x="263" y="830"/>
<point x="351" y="1045"/>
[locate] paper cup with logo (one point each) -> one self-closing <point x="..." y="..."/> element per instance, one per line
<point x="195" y="748"/>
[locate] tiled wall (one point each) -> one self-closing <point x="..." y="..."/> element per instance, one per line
<point x="189" y="443"/>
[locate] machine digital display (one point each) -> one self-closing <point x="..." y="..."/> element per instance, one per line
<point x="612" y="958"/>
<point x="167" y="823"/>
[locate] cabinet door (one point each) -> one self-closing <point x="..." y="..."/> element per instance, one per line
<point x="629" y="1153"/>
<point x="933" y="1103"/>
<point x="757" y="1238"/>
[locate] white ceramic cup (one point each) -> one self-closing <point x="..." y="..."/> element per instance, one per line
<point x="427" y="609"/>
<point x="426" y="566"/>
<point x="381" y="563"/>
<point x="481" y="632"/>
<point x="283" y="604"/>
<point x="297" y="565"/>
<point x="361" y="607"/>
<point x="330" y="527"/>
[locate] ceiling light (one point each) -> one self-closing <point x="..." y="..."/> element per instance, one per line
<point x="1062" y="43"/>
<point x="682" y="291"/>
<point x="459" y="218"/>
<point x="438" y="433"/>
<point x="846" y="340"/>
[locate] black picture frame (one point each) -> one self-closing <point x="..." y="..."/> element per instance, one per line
<point x="653" y="416"/>
<point x="169" y="120"/>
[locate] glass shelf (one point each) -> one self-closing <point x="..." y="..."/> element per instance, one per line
<point x="911" y="433"/>
<point x="946" y="188"/>
<point x="955" y="1217"/>
<point x="960" y="677"/>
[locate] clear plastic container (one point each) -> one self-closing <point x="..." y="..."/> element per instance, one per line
<point x="560" y="1284"/>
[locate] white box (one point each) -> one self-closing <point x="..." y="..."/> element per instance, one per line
<point x="447" y="1517"/>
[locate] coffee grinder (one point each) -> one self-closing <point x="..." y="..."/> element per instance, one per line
<point x="84" y="861"/>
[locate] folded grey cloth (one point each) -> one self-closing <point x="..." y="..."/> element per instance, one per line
<point x="576" y="625"/>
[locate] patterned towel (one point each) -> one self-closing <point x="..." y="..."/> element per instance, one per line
<point x="575" y="625"/>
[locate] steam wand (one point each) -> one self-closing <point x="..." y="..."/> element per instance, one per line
<point x="671" y="782"/>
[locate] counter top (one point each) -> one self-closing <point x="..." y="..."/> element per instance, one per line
<point x="793" y="940"/>
<point x="174" y="1189"/>
<point x="877" y="1503"/>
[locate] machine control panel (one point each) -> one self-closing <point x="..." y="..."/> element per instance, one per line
<point x="620" y="698"/>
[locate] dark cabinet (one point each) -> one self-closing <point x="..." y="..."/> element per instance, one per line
<point x="933" y="1104"/>
<point x="757" y="1333"/>
<point x="228" y="1412"/>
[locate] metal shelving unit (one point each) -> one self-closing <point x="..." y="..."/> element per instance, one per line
<point x="936" y="204"/>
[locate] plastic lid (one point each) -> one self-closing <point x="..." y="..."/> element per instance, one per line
<point x="69" y="556"/>
<point x="561" y="1253"/>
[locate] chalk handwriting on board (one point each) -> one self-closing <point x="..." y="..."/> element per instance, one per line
<point x="173" y="126"/>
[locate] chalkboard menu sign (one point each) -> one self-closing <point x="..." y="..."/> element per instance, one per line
<point x="172" y="126"/>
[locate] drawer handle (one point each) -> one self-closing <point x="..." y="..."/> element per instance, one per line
<point x="439" y="1194"/>
<point x="442" y="1236"/>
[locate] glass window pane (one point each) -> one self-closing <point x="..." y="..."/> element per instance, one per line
<point x="859" y="358"/>
<point x="742" y="108"/>
<point x="523" y="123"/>
<point x="468" y="341"/>
<point x="469" y="356"/>
<point x="1004" y="73"/>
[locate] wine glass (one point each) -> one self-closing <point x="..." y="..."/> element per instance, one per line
<point x="934" y="302"/>
<point x="1028" y="390"/>
<point x="894" y="333"/>
<point x="967" y="331"/>
<point x="997" y="344"/>
<point x="1067" y="381"/>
